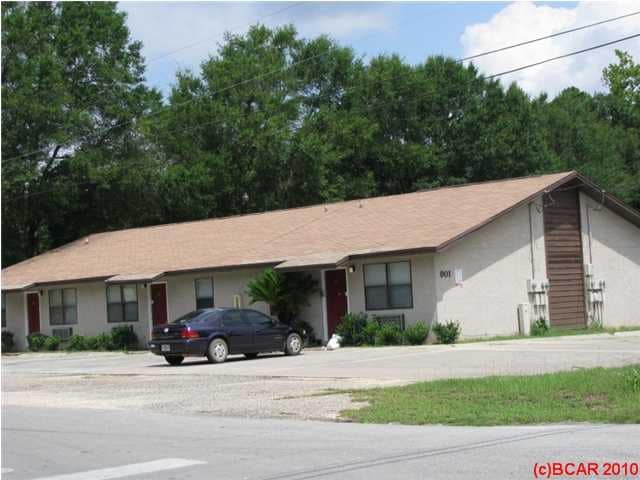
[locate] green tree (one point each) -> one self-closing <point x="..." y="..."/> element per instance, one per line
<point x="74" y="160"/>
<point x="285" y="293"/>
<point x="623" y="80"/>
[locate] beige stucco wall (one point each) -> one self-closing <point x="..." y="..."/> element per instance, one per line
<point x="182" y="298"/>
<point x="91" y="308"/>
<point x="181" y="291"/>
<point x="422" y="279"/>
<point x="496" y="262"/>
<point x="615" y="253"/>
<point x="313" y="313"/>
<point x="92" y="311"/>
<point x="16" y="322"/>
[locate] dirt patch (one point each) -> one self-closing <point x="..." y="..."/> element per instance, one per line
<point x="243" y="396"/>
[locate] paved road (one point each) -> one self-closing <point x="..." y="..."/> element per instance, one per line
<point x="430" y="362"/>
<point x="39" y="444"/>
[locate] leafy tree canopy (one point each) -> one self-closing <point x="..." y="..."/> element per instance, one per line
<point x="270" y="120"/>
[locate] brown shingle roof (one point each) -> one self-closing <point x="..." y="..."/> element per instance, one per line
<point x="307" y="236"/>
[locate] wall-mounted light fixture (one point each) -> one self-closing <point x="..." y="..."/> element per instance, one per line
<point x="352" y="268"/>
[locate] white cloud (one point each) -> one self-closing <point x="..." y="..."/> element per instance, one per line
<point x="165" y="27"/>
<point x="523" y="21"/>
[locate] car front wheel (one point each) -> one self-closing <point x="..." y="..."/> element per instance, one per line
<point x="217" y="351"/>
<point x="174" y="359"/>
<point x="293" y="346"/>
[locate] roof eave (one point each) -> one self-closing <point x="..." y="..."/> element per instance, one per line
<point x="558" y="183"/>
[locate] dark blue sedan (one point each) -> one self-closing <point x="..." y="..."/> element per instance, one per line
<point x="216" y="333"/>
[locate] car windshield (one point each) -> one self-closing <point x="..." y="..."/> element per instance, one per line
<point x="191" y="317"/>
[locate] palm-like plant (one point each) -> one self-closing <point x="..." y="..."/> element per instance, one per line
<point x="285" y="293"/>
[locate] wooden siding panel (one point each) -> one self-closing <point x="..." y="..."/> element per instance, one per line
<point x="563" y="245"/>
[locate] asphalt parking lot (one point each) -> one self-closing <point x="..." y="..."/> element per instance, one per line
<point x="278" y="386"/>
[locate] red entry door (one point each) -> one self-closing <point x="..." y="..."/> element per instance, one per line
<point x="33" y="312"/>
<point x="336" y="287"/>
<point x="159" y="303"/>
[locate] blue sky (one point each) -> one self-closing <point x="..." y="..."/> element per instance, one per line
<point x="412" y="30"/>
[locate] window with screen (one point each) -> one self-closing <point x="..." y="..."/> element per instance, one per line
<point x="388" y="286"/>
<point x="63" y="308"/>
<point x="204" y="293"/>
<point x="122" y="303"/>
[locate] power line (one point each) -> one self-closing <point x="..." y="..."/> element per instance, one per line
<point x="185" y="47"/>
<point x="488" y="77"/>
<point x="546" y="37"/>
<point x="181" y="104"/>
<point x="191" y="45"/>
<point x="287" y="67"/>
<point x="570" y="54"/>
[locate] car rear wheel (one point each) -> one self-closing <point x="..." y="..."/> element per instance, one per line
<point x="217" y="351"/>
<point x="293" y="345"/>
<point x="174" y="359"/>
<point x="251" y="355"/>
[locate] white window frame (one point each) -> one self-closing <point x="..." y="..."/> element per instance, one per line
<point x="213" y="293"/>
<point x="387" y="286"/>
<point x="122" y="303"/>
<point x="75" y="305"/>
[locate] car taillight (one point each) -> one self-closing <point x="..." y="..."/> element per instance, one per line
<point x="188" y="333"/>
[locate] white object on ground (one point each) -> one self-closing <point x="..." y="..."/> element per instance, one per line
<point x="334" y="342"/>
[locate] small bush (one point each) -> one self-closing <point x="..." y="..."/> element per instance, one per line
<point x="447" y="333"/>
<point x="7" y="341"/>
<point x="51" y="344"/>
<point x="92" y="343"/>
<point x="35" y="341"/>
<point x="104" y="341"/>
<point x="416" y="334"/>
<point x="389" y="334"/>
<point x="369" y="333"/>
<point x="539" y="328"/>
<point x="123" y="337"/>
<point x="76" y="343"/>
<point x="351" y="328"/>
<point x="633" y="380"/>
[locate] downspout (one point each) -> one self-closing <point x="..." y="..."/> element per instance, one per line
<point x="531" y="244"/>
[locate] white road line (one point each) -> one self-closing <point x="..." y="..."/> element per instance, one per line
<point x="127" y="470"/>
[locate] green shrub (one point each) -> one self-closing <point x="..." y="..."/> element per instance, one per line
<point x="104" y="341"/>
<point x="92" y="343"/>
<point x="447" y="333"/>
<point x="416" y="334"/>
<point x="35" y="341"/>
<point x="633" y="380"/>
<point x="123" y="337"/>
<point x="76" y="343"/>
<point x="389" y="334"/>
<point x="539" y="328"/>
<point x="351" y="328"/>
<point x="369" y="333"/>
<point x="7" y="341"/>
<point x="51" y="344"/>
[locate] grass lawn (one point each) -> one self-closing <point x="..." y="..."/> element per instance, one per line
<point x="557" y="332"/>
<point x="602" y="395"/>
